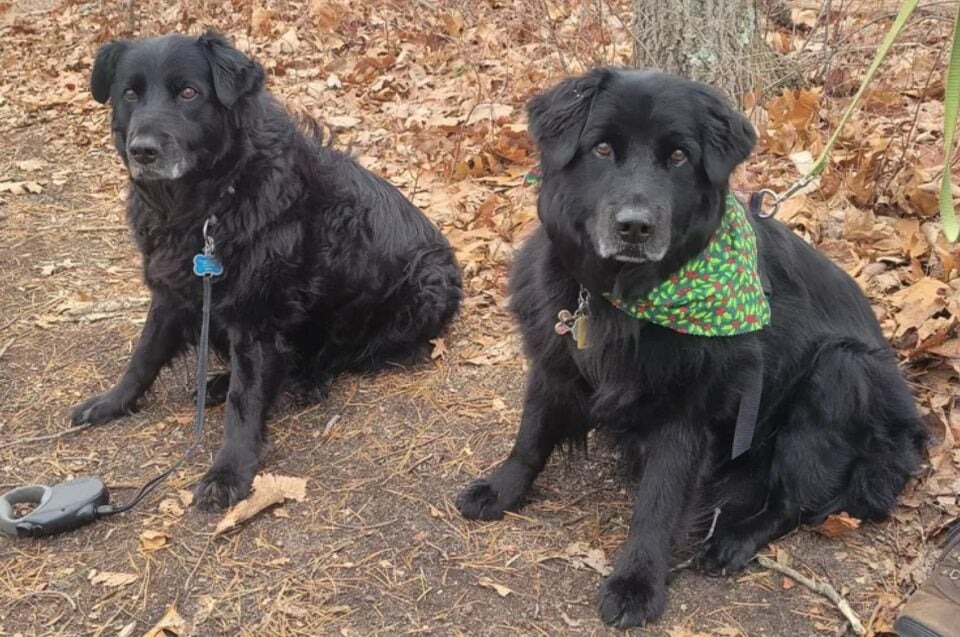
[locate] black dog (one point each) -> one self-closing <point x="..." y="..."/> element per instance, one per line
<point x="635" y="172"/>
<point x="327" y="267"/>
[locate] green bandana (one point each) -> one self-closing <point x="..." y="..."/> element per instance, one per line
<point x="717" y="293"/>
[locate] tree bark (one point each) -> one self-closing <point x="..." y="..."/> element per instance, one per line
<point x="713" y="41"/>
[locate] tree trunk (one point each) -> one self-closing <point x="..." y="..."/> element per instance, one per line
<point x="713" y="41"/>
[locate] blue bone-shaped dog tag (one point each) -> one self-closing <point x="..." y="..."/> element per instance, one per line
<point x="207" y="265"/>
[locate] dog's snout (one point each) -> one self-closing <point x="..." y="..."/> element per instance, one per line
<point x="144" y="149"/>
<point x="634" y="224"/>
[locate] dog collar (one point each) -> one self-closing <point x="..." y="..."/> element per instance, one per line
<point x="717" y="293"/>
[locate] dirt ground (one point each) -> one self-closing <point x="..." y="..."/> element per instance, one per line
<point x="377" y="546"/>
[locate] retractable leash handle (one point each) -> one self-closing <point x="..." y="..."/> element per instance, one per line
<point x="62" y="507"/>
<point x="72" y="504"/>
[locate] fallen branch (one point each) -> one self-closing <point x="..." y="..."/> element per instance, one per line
<point x="59" y="434"/>
<point x="822" y="588"/>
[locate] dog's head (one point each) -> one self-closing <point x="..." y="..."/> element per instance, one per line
<point x="635" y="163"/>
<point x="175" y="100"/>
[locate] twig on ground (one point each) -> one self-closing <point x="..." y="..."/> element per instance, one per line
<point x="73" y="604"/>
<point x="186" y="584"/>
<point x="365" y="527"/>
<point x="117" y="228"/>
<point x="6" y="346"/>
<point x="330" y="423"/>
<point x="821" y="588"/>
<point x="59" y="434"/>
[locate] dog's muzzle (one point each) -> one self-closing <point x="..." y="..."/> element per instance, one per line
<point x="149" y="158"/>
<point x="634" y="234"/>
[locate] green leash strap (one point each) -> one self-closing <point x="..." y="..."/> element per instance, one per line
<point x="951" y="100"/>
<point x="906" y="9"/>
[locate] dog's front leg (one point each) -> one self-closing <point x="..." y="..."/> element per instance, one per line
<point x="256" y="371"/>
<point x="635" y="592"/>
<point x="554" y="409"/>
<point x="162" y="339"/>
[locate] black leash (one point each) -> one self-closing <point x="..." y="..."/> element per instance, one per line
<point x="72" y="504"/>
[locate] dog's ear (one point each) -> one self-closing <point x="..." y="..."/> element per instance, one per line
<point x="557" y="116"/>
<point x="728" y="136"/>
<point x="105" y="69"/>
<point x="234" y="74"/>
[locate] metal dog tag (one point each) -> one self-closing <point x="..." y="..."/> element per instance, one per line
<point x="580" y="332"/>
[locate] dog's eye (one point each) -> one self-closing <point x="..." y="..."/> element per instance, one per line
<point x="130" y="95"/>
<point x="603" y="149"/>
<point x="678" y="157"/>
<point x="188" y="93"/>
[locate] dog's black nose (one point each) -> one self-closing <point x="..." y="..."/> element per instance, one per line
<point x="634" y="224"/>
<point x="143" y="149"/>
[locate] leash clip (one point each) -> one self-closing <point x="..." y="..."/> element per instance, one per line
<point x="62" y="507"/>
<point x="207" y="264"/>
<point x="756" y="199"/>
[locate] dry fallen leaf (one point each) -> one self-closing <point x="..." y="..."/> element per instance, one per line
<point x="453" y="23"/>
<point x="837" y="525"/>
<point x="20" y="187"/>
<point x="111" y="580"/>
<point x="342" y="121"/>
<point x="153" y="540"/>
<point x="580" y="555"/>
<point x="268" y="490"/>
<point x="293" y="610"/>
<point x="171" y="508"/>
<point x="502" y="590"/>
<point x="918" y="303"/>
<point x="127" y="631"/>
<point x="30" y="165"/>
<point x="171" y="624"/>
<point x="261" y="19"/>
<point x="439" y="349"/>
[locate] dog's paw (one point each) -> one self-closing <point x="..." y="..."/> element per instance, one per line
<point x="222" y="487"/>
<point x="217" y="387"/>
<point x="488" y="498"/>
<point x="480" y="500"/>
<point x="632" y="600"/>
<point x="100" y="409"/>
<point x="724" y="554"/>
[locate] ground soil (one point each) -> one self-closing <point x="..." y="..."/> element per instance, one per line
<point x="377" y="546"/>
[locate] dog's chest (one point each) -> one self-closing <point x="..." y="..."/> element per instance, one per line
<point x="168" y="261"/>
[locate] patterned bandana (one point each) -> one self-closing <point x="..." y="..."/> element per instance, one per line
<point x="717" y="293"/>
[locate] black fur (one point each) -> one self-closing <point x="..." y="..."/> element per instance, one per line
<point x="838" y="429"/>
<point x="328" y="267"/>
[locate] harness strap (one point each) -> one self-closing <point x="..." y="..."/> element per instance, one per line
<point x="749" y="410"/>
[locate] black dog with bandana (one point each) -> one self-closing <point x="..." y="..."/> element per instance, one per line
<point x="637" y="220"/>
<point x="326" y="267"/>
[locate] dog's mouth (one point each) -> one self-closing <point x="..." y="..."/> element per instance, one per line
<point x="158" y="171"/>
<point x="630" y="254"/>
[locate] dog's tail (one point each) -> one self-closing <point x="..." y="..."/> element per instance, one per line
<point x="315" y="130"/>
